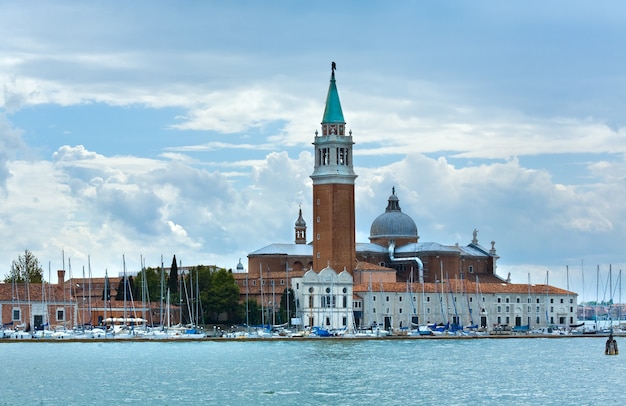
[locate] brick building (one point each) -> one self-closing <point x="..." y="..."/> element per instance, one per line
<point x="334" y="277"/>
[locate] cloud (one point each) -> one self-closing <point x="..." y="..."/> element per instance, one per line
<point x="10" y="143"/>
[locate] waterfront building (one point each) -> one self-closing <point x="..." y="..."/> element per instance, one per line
<point x="394" y="281"/>
<point x="72" y="303"/>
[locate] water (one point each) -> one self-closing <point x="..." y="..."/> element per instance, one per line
<point x="313" y="372"/>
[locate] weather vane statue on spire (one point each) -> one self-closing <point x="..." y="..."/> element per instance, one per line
<point x="333" y="66"/>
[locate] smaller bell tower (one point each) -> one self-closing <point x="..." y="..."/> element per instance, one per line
<point x="300" y="229"/>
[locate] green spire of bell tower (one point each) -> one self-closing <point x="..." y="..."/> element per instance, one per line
<point x="332" y="111"/>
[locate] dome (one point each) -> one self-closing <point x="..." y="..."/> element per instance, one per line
<point x="393" y="224"/>
<point x="300" y="222"/>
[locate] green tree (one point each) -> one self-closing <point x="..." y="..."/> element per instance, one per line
<point x="25" y="269"/>
<point x="219" y="293"/>
<point x="283" y="305"/>
<point x="106" y="290"/>
<point x="153" y="282"/>
<point x="119" y="295"/>
<point x="254" y="313"/>
<point x="173" y="280"/>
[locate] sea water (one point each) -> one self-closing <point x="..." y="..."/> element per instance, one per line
<point x="546" y="371"/>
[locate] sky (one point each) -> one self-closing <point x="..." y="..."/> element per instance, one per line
<point x="135" y="131"/>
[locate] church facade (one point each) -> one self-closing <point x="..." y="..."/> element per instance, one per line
<point x="394" y="281"/>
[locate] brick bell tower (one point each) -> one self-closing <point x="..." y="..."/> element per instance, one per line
<point x="333" y="178"/>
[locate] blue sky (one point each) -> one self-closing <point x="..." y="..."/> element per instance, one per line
<point x="156" y="128"/>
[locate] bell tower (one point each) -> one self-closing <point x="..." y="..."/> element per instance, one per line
<point x="300" y="229"/>
<point x="333" y="178"/>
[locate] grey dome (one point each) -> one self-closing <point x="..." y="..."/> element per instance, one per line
<point x="393" y="224"/>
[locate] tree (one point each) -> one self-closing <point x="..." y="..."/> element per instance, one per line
<point x="283" y="305"/>
<point x="106" y="291"/>
<point x="173" y="280"/>
<point x="219" y="293"/>
<point x="254" y="313"/>
<point x="119" y="295"/>
<point x="153" y="282"/>
<point x="25" y="269"/>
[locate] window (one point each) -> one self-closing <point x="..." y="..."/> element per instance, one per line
<point x="507" y="300"/>
<point x="329" y="301"/>
<point x="318" y="219"/>
<point x="552" y="300"/>
<point x="318" y="237"/>
<point x="345" y="301"/>
<point x="499" y="309"/>
<point x="345" y="320"/>
<point x="318" y="202"/>
<point x="374" y="298"/>
<point x="507" y="309"/>
<point x="470" y="269"/>
<point x="571" y="300"/>
<point x="16" y="315"/>
<point x="561" y="300"/>
<point x="428" y="298"/>
<point x="318" y="254"/>
<point x="253" y="282"/>
<point x="428" y="310"/>
<point x="328" y="321"/>
<point x="499" y="300"/>
<point x="538" y="310"/>
<point x="519" y="300"/>
<point x="282" y="281"/>
<point x="551" y="309"/>
<point x="60" y="314"/>
<point x="537" y="300"/>
<point x="387" y="299"/>
<point x="537" y="320"/>
<point x="399" y="298"/>
<point x="400" y="310"/>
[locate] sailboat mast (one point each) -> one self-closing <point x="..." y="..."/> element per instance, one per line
<point x="247" y="307"/>
<point x="262" y="300"/>
<point x="124" y="268"/>
<point x="90" y="276"/>
<point x="106" y="292"/>
<point x="162" y="294"/>
<point x="547" y="284"/>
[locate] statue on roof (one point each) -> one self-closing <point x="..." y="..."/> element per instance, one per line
<point x="333" y="66"/>
<point x="475" y="234"/>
